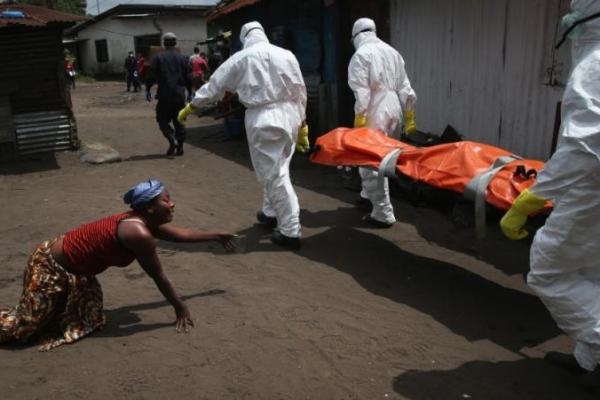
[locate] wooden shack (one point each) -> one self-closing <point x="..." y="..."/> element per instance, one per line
<point x="35" y="102"/>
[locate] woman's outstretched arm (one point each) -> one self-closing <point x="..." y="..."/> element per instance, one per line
<point x="140" y="240"/>
<point x="174" y="233"/>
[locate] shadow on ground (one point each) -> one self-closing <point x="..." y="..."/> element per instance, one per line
<point x="147" y="157"/>
<point x="34" y="163"/>
<point x="525" y="379"/>
<point x="464" y="302"/>
<point x="124" y="321"/>
<point x="433" y="222"/>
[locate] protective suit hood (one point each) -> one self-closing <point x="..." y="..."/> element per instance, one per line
<point x="362" y="30"/>
<point x="580" y="9"/>
<point x="251" y="33"/>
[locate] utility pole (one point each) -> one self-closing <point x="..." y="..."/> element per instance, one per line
<point x="98" y="6"/>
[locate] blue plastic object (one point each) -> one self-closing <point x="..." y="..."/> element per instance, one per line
<point x="13" y="14"/>
<point x="234" y="127"/>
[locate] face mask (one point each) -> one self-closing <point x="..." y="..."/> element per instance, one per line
<point x="352" y="40"/>
<point x="568" y="21"/>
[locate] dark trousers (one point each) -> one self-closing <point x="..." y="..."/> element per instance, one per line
<point x="132" y="80"/>
<point x="166" y="114"/>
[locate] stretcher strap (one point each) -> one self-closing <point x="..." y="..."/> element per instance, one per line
<point x="476" y="188"/>
<point x="387" y="167"/>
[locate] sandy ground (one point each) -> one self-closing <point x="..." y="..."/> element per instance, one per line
<point x="420" y="311"/>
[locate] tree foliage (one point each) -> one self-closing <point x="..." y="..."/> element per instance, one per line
<point x="70" y="6"/>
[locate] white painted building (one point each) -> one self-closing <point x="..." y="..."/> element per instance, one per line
<point x="102" y="43"/>
<point x="487" y="67"/>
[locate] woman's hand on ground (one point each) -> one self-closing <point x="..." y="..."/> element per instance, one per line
<point x="226" y="240"/>
<point x="184" y="320"/>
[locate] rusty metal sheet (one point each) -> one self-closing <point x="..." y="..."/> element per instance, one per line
<point x="37" y="16"/>
<point x="224" y="8"/>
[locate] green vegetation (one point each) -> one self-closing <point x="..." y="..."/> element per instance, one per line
<point x="84" y="78"/>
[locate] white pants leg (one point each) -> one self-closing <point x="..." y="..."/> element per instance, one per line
<point x="282" y="199"/>
<point x="267" y="207"/>
<point x="379" y="196"/>
<point x="272" y="131"/>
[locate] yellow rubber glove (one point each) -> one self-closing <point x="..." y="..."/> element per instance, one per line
<point x="303" y="144"/>
<point x="185" y="111"/>
<point x="410" y="126"/>
<point x="514" y="219"/>
<point x="360" y="120"/>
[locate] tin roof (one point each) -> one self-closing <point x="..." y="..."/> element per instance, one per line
<point x="29" y="15"/>
<point x="138" y="10"/>
<point x="95" y="8"/>
<point x="227" y="6"/>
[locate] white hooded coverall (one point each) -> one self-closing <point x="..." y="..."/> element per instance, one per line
<point x="269" y="84"/>
<point x="377" y="76"/>
<point x="565" y="255"/>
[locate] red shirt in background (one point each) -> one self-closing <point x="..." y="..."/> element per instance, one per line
<point x="199" y="65"/>
<point x="69" y="67"/>
<point x="141" y="63"/>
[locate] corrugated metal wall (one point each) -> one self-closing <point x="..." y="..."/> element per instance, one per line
<point x="34" y="85"/>
<point x="7" y="140"/>
<point x="41" y="132"/>
<point x="483" y="66"/>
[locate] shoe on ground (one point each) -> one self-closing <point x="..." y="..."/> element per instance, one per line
<point x="285" y="241"/>
<point x="364" y="204"/>
<point x="271" y="222"/>
<point x="375" y="223"/>
<point x="179" y="151"/>
<point x="564" y="360"/>
<point x="171" y="150"/>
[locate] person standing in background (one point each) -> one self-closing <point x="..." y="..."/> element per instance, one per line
<point x="131" y="72"/>
<point x="199" y="67"/>
<point x="70" y="69"/>
<point x="141" y="68"/>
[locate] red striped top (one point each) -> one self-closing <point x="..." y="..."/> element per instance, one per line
<point x="92" y="248"/>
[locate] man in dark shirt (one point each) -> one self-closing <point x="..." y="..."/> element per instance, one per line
<point x="171" y="71"/>
<point x="131" y="71"/>
<point x="214" y="59"/>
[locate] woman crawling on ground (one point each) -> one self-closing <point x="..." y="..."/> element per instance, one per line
<point x="60" y="290"/>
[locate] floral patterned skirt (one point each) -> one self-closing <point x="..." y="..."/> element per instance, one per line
<point x="56" y="307"/>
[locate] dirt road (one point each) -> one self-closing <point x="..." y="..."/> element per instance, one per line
<point x="420" y="311"/>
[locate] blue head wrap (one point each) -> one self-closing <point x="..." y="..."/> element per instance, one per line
<point x="143" y="192"/>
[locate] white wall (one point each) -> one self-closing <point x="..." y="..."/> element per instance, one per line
<point x="120" y="34"/>
<point x="483" y="67"/>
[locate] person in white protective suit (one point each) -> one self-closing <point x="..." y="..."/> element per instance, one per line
<point x="377" y="76"/>
<point x="269" y="84"/>
<point x="565" y="254"/>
